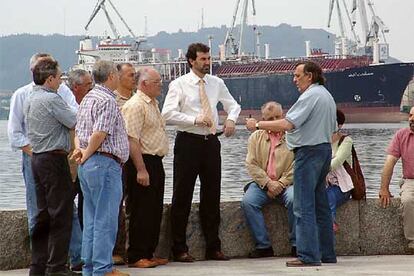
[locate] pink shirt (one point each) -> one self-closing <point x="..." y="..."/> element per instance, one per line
<point x="271" y="168"/>
<point x="402" y="145"/>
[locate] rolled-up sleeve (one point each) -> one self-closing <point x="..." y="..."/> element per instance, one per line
<point x="105" y="115"/>
<point x="299" y="112"/>
<point x="134" y="120"/>
<point x="229" y="103"/>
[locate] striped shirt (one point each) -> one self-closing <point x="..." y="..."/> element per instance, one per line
<point x="144" y="122"/>
<point x="48" y="120"/>
<point x="99" y="112"/>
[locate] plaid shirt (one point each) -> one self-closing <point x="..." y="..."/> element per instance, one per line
<point x="99" y="112"/>
<point x="144" y="122"/>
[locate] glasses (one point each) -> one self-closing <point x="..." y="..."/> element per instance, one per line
<point x="155" y="81"/>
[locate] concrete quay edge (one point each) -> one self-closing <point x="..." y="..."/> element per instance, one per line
<point x="365" y="229"/>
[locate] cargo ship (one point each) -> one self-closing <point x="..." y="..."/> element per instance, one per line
<point x="363" y="85"/>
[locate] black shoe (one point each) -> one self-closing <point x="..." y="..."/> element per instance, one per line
<point x="217" y="256"/>
<point x="262" y="253"/>
<point x="293" y="252"/>
<point x="183" y="257"/>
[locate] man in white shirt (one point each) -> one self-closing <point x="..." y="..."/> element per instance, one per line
<point x="191" y="105"/>
<point x="17" y="133"/>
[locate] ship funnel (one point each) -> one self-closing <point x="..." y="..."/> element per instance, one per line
<point x="308" y="48"/>
<point x="267" y="50"/>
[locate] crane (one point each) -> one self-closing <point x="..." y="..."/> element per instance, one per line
<point x="100" y="5"/>
<point x="230" y="45"/>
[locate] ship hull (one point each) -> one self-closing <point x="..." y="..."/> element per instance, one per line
<point x="366" y="94"/>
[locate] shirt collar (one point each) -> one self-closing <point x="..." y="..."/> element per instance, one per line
<point x="196" y="79"/>
<point x="120" y="96"/>
<point x="281" y="137"/>
<point x="146" y="98"/>
<point x="105" y="89"/>
<point x="41" y="87"/>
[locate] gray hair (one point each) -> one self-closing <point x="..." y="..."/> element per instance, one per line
<point x="143" y="74"/>
<point x="36" y="57"/>
<point x="102" y="69"/>
<point x="272" y="105"/>
<point x="75" y="77"/>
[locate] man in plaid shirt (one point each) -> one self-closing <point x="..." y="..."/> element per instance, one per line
<point x="102" y="148"/>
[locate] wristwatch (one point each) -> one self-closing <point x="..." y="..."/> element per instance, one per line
<point x="257" y="126"/>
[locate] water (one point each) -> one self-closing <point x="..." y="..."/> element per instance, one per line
<point x="371" y="141"/>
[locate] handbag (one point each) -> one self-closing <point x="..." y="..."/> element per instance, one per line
<point x="359" y="190"/>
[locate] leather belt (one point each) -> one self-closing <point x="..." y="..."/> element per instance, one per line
<point x="200" y="136"/>
<point x="58" y="152"/>
<point x="110" y="155"/>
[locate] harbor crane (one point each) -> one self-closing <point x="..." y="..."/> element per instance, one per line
<point x="371" y="34"/>
<point x="230" y="45"/>
<point x="100" y="5"/>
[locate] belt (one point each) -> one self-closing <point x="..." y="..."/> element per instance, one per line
<point x="200" y="136"/>
<point x="110" y="155"/>
<point x="58" y="152"/>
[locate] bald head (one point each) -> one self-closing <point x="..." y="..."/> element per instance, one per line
<point x="149" y="81"/>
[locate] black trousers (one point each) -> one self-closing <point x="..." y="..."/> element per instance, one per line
<point x="53" y="225"/>
<point x="144" y="208"/>
<point x="195" y="156"/>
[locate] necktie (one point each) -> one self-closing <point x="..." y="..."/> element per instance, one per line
<point x="205" y="106"/>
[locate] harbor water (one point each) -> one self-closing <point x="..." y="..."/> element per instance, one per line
<point x="371" y="141"/>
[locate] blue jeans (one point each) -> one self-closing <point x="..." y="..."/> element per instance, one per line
<point x="101" y="184"/>
<point x="252" y="203"/>
<point x="31" y="203"/>
<point x="336" y="198"/>
<point x="75" y="246"/>
<point x="314" y="233"/>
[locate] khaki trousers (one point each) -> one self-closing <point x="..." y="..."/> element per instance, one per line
<point x="407" y="201"/>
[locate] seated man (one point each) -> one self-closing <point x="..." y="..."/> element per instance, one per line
<point x="402" y="146"/>
<point x="270" y="164"/>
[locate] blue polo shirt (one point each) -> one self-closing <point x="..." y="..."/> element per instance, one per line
<point x="313" y="116"/>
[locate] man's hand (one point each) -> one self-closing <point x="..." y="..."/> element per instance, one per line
<point x="251" y="124"/>
<point x="229" y="128"/>
<point x="274" y="188"/>
<point x="385" y="197"/>
<point x="76" y="156"/>
<point x="28" y="150"/>
<point x="202" y="121"/>
<point x="143" y="177"/>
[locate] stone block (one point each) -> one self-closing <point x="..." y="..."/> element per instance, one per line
<point x="348" y="236"/>
<point x="381" y="229"/>
<point x="14" y="240"/>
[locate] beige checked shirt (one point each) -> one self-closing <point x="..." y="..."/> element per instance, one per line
<point x="143" y="121"/>
<point x="120" y="100"/>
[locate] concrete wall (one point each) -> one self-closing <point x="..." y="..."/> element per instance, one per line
<point x="365" y="229"/>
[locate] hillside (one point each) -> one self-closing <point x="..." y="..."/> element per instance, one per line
<point x="16" y="50"/>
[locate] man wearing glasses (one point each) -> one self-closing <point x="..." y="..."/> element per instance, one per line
<point x="144" y="171"/>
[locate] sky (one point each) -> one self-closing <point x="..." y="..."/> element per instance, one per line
<point x="70" y="16"/>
